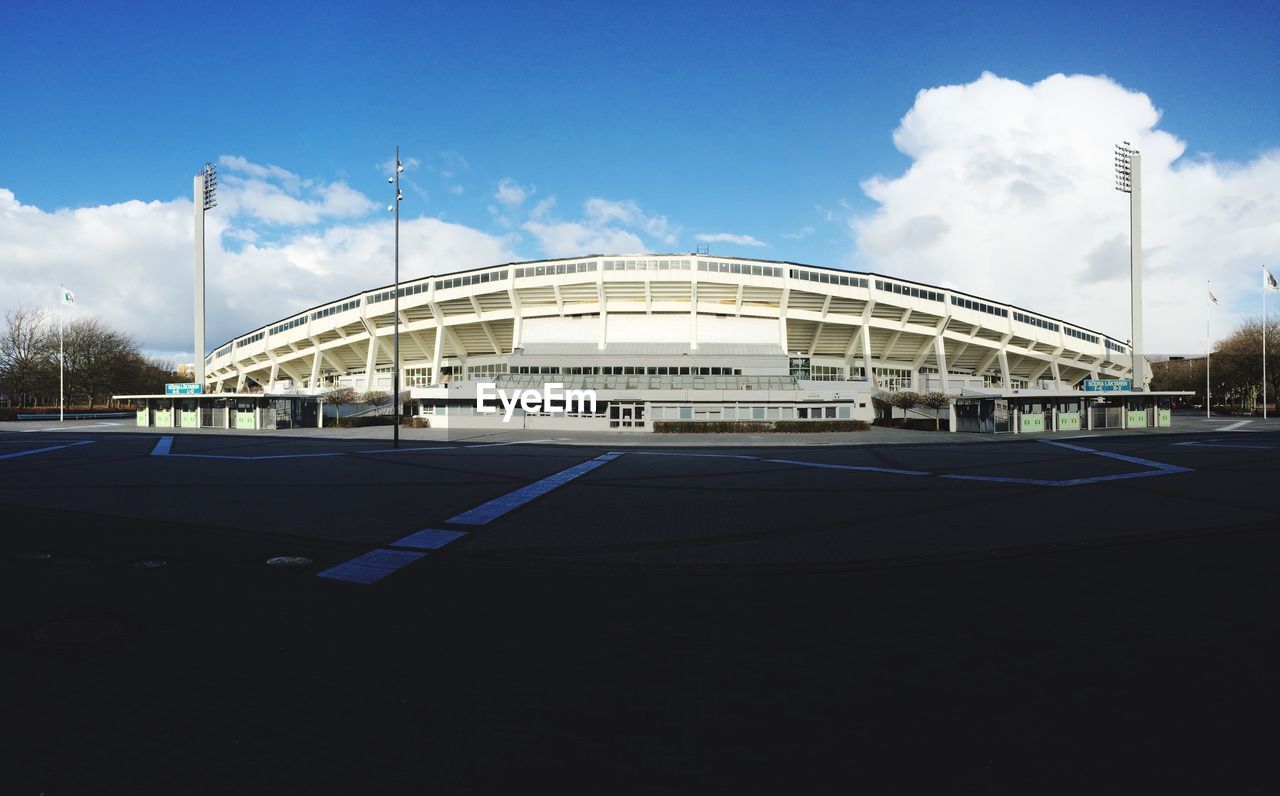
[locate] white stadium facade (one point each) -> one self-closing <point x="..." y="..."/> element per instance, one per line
<point x="675" y="337"/>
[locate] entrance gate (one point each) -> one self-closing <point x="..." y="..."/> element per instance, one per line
<point x="626" y="416"/>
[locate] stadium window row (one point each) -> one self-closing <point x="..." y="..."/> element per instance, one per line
<point x="646" y="265"/>
<point x="1092" y="338"/>
<point x="407" y="290"/>
<point x="335" y="309"/>
<point x="287" y="325"/>
<point x="827" y="278"/>
<point x="970" y="304"/>
<point x="555" y="269"/>
<point x="471" y="279"/>
<point x="746" y="269"/>
<point x="1027" y="319"/>
<point x="907" y="290"/>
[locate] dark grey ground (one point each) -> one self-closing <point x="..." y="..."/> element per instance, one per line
<point x="661" y="624"/>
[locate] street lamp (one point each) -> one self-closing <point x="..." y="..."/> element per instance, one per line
<point x="394" y="179"/>
<point x="1129" y="180"/>
<point x="206" y="198"/>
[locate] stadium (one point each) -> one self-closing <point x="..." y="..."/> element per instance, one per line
<point x="676" y="337"/>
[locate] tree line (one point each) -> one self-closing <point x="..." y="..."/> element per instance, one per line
<point x="98" y="362"/>
<point x="1235" y="369"/>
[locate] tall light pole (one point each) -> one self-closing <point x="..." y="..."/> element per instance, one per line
<point x="206" y="198"/>
<point x="394" y="179"/>
<point x="1129" y="180"/>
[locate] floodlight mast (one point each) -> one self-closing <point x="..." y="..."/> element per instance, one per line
<point x="1129" y="180"/>
<point x="394" y="179"/>
<point x="205" y="198"/>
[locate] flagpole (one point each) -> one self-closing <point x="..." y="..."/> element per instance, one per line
<point x="1208" y="353"/>
<point x="1264" y="342"/>
<point x="61" y="395"/>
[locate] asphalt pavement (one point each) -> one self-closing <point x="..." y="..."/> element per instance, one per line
<point x="1030" y="615"/>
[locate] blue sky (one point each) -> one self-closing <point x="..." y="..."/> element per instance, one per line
<point x="715" y="117"/>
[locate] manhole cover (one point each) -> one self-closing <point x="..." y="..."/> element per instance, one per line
<point x="80" y="630"/>
<point x="150" y="563"/>
<point x="289" y="561"/>
<point x="35" y="556"/>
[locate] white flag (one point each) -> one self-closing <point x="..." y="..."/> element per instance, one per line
<point x="1268" y="281"/>
<point x="68" y="297"/>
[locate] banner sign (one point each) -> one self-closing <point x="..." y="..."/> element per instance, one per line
<point x="183" y="389"/>
<point x="1107" y="385"/>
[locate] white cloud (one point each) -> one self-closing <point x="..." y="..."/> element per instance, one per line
<point x="607" y="227"/>
<point x="570" y="239"/>
<point x="274" y="196"/>
<point x="511" y="193"/>
<point x="729" y="237"/>
<point x="543" y="209"/>
<point x="603" y="212"/>
<point x="1010" y="196"/>
<point x="131" y="263"/>
<point x="799" y="234"/>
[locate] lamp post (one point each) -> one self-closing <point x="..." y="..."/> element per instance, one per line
<point x="394" y="179"/>
<point x="1129" y="180"/>
<point x="206" y="198"/>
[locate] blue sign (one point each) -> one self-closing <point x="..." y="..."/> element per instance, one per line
<point x="1107" y="385"/>
<point x="185" y="388"/>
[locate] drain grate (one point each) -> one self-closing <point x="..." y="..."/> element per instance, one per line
<point x="289" y="561"/>
<point x="150" y="563"/>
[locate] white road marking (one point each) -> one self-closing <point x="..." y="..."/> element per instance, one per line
<point x="66" y="428"/>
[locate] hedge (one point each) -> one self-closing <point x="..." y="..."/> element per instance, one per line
<point x="913" y="423"/>
<point x="757" y="426"/>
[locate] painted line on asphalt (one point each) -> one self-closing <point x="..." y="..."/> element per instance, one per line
<point x="1157" y="468"/>
<point x="818" y="465"/>
<point x="164" y="447"/>
<point x="458" y="447"/>
<point x="488" y="512"/>
<point x="865" y="469"/>
<point x="1213" y="443"/>
<point x="65" y="428"/>
<point x="1232" y="427"/>
<point x="1118" y="456"/>
<point x="429" y="539"/>
<point x="35" y="451"/>
<point x="372" y="566"/>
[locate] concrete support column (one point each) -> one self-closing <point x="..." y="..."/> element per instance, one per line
<point x="370" y="360"/>
<point x="940" y="353"/>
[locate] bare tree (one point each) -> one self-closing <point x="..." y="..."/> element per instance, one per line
<point x="378" y="399"/>
<point x="937" y="401"/>
<point x="97" y="358"/>
<point x="904" y="400"/>
<point x="339" y="397"/>
<point x="28" y="355"/>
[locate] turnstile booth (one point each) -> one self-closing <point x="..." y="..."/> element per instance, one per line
<point x="239" y="411"/>
<point x="1077" y="411"/>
